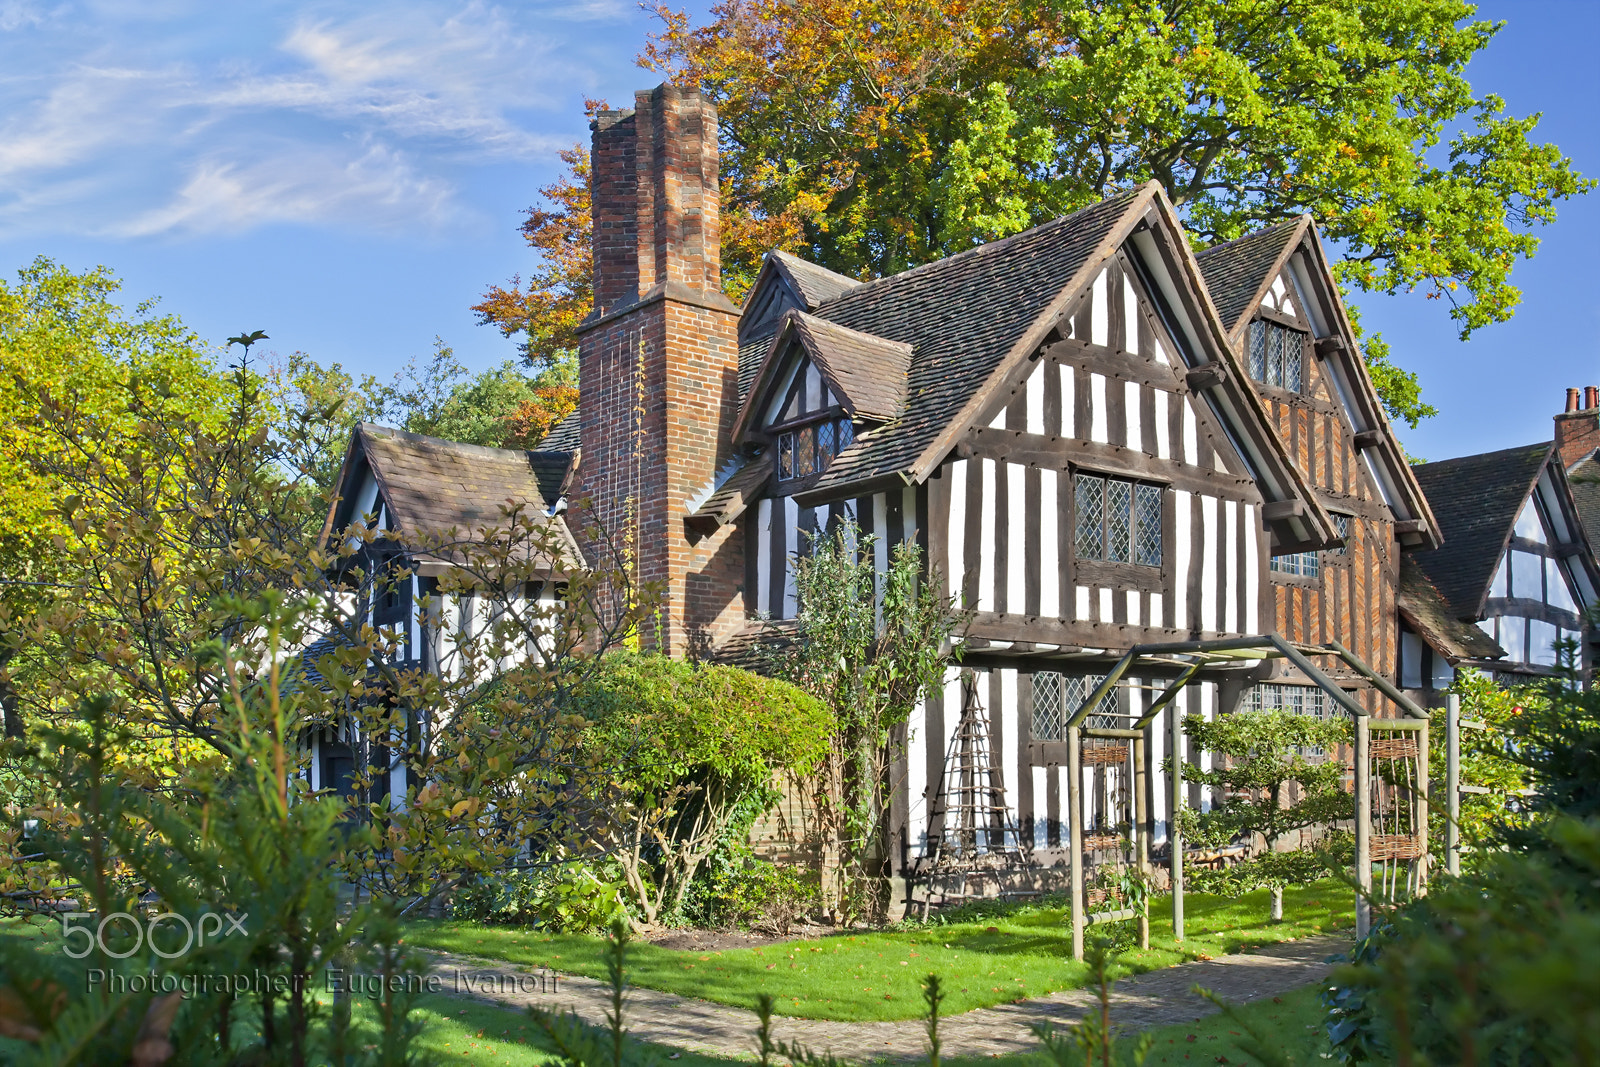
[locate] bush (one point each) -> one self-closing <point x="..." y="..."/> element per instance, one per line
<point x="1502" y="965"/>
<point x="754" y="894"/>
<point x="567" y="897"/>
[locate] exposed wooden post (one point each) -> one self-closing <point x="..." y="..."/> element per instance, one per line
<point x="1452" y="784"/>
<point x="1075" y="833"/>
<point x="1175" y="835"/>
<point x="1422" y="808"/>
<point x="1363" y="789"/>
<point x="1141" y="830"/>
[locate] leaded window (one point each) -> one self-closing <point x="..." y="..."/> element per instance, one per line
<point x="1056" y="696"/>
<point x="1294" y="699"/>
<point x="808" y="450"/>
<point x="1277" y="355"/>
<point x="1299" y="564"/>
<point x="1118" y="521"/>
<point x="1342" y="522"/>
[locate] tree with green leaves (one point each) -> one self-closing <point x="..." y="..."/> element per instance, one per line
<point x="870" y="645"/>
<point x="1275" y="781"/>
<point x="875" y="135"/>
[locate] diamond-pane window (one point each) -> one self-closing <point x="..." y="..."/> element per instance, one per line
<point x="825" y="445"/>
<point x="1277" y="355"/>
<point x="1147" y="525"/>
<point x="1119" y="520"/>
<point x="1077" y="688"/>
<point x="1090" y="493"/>
<point x="1047" y="713"/>
<point x="786" y="455"/>
<point x="847" y="433"/>
<point x="806" y="448"/>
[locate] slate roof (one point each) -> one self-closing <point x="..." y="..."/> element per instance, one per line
<point x="815" y="285"/>
<point x="1476" y="500"/>
<point x="1427" y="613"/>
<point x="550" y="470"/>
<point x="1237" y="272"/>
<point x="962" y="315"/>
<point x="432" y="485"/>
<point x="564" y="436"/>
<point x="751" y="355"/>
<point x="868" y="372"/>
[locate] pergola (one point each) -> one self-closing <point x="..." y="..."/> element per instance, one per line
<point x="1193" y="657"/>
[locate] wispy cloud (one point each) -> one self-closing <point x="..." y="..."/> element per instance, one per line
<point x="360" y="117"/>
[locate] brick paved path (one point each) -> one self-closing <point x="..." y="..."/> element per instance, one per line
<point x="1138" y="1003"/>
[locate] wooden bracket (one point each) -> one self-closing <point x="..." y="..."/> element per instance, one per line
<point x="1206" y="376"/>
<point x="1328" y="346"/>
<point x="1409" y="526"/>
<point x="1368" y="439"/>
<point x="1278" y="510"/>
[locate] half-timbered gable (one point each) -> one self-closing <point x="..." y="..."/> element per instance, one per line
<point x="1515" y="562"/>
<point x="1284" y="317"/>
<point x="422" y="493"/>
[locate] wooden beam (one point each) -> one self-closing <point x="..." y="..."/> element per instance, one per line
<point x="1329" y="346"/>
<point x="1278" y="510"/>
<point x="1368" y="439"/>
<point x="1205" y="376"/>
<point x="1409" y="526"/>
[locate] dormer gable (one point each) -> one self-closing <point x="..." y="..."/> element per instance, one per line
<point x="817" y="369"/>
<point x="787" y="282"/>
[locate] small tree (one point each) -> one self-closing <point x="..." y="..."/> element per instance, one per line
<point x="1272" y="787"/>
<point x="870" y="646"/>
<point x="694" y="750"/>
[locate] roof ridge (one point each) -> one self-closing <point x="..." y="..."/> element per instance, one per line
<point x="444" y="443"/>
<point x="1547" y="445"/>
<point x="1252" y="235"/>
<point x="987" y="248"/>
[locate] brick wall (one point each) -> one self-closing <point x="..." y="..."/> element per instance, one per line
<point x="1578" y="428"/>
<point x="658" y="365"/>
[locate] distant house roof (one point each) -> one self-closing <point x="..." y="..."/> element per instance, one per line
<point x="430" y="486"/>
<point x="1428" y="614"/>
<point x="564" y="436"/>
<point x="1476" y="500"/>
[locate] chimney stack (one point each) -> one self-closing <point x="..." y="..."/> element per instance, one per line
<point x="658" y="360"/>
<point x="1578" y="429"/>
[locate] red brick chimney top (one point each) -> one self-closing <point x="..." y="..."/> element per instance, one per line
<point x="1578" y="429"/>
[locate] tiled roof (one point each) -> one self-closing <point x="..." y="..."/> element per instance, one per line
<point x="1426" y="612"/>
<point x="1476" y="500"/>
<point x="962" y="315"/>
<point x="751" y="355"/>
<point x="564" y="436"/>
<point x="868" y="371"/>
<point x="1584" y="478"/>
<point x="1236" y="272"/>
<point x="815" y="285"/>
<point x="432" y="486"/>
<point x="737" y="492"/>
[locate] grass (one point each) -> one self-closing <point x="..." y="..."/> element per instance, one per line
<point x="876" y="976"/>
<point x="456" y="1030"/>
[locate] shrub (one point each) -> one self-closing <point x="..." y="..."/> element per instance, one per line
<point x="754" y="894"/>
<point x="568" y="896"/>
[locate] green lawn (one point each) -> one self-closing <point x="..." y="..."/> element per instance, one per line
<point x="457" y="1029"/>
<point x="877" y="976"/>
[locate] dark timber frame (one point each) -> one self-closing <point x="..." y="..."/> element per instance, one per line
<point x="1194" y="657"/>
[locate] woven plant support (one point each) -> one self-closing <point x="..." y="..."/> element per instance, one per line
<point x="1394" y="748"/>
<point x="1396" y="847"/>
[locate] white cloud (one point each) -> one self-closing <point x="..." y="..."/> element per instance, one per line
<point x="378" y="186"/>
<point x="361" y="117"/>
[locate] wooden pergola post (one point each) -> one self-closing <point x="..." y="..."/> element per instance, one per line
<point x="1075" y="833"/>
<point x="1422" y="808"/>
<point x="1141" y="830"/>
<point x="1174" y="834"/>
<point x="1452" y="784"/>
<point x="1363" y="789"/>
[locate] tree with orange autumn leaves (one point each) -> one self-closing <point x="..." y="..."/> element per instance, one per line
<point x="870" y="136"/>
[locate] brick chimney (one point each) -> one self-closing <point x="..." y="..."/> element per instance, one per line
<point x="1578" y="428"/>
<point x="658" y="360"/>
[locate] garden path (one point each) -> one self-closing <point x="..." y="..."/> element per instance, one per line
<point x="1155" y="998"/>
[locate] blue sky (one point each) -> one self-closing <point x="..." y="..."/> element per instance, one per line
<point x="349" y="177"/>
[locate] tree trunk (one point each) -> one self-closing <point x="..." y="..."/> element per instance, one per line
<point x="8" y="698"/>
<point x="1277" y="903"/>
